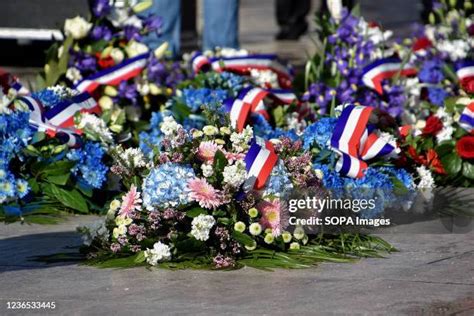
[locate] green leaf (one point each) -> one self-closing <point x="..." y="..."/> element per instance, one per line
<point x="58" y="168"/>
<point x="243" y="239"/>
<point x="219" y="162"/>
<point x="58" y="179"/>
<point x="279" y="116"/>
<point x="195" y="211"/>
<point x="468" y="170"/>
<point x="446" y="147"/>
<point x="70" y="198"/>
<point x="140" y="257"/>
<point x="452" y="163"/>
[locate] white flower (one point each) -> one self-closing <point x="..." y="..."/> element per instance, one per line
<point x="96" y="127"/>
<point x="335" y="8"/>
<point x="264" y="77"/>
<point x="201" y="226"/>
<point x="134" y="158"/>
<point x="135" y="48"/>
<point x="77" y="27"/>
<point x="207" y="170"/>
<point x="241" y="140"/>
<point x="169" y="126"/>
<point x="160" y="252"/>
<point x="210" y="130"/>
<point x="235" y="174"/>
<point x="117" y="55"/>
<point x="445" y="134"/>
<point x="426" y="178"/>
<point x="255" y="229"/>
<point x="319" y="174"/>
<point x="106" y="102"/>
<point x="232" y="52"/>
<point x="455" y="49"/>
<point x="73" y="74"/>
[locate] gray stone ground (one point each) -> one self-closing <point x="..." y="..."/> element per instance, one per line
<point x="432" y="274"/>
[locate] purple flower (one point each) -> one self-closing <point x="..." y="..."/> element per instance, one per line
<point x="101" y="32"/>
<point x="431" y="71"/>
<point x="128" y="91"/>
<point x="437" y="96"/>
<point x="101" y="8"/>
<point x="131" y="33"/>
<point x="396" y="101"/>
<point x="153" y="23"/>
<point x="115" y="247"/>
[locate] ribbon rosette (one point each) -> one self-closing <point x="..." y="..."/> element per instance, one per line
<point x="59" y="121"/>
<point x="259" y="162"/>
<point x="465" y="74"/>
<point x="250" y="100"/>
<point x="466" y="120"/>
<point x="356" y="143"/>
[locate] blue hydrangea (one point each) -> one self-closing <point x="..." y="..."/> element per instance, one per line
<point x="319" y="133"/>
<point x="431" y="71"/>
<point x="89" y="165"/>
<point x="262" y="128"/>
<point x="151" y="138"/>
<point x="47" y="97"/>
<point x="166" y="186"/>
<point x="376" y="184"/>
<point x="279" y="181"/>
<point x="195" y="98"/>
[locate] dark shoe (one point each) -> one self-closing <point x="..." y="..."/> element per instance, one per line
<point x="296" y="31"/>
<point x="281" y="35"/>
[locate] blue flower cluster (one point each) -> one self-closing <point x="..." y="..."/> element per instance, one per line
<point x="262" y="128"/>
<point x="319" y="133"/>
<point x="48" y="97"/>
<point x="166" y="185"/>
<point x="151" y="138"/>
<point x="89" y="164"/>
<point x="225" y="80"/>
<point x="195" y="98"/>
<point x="377" y="184"/>
<point x="14" y="136"/>
<point x="279" y="181"/>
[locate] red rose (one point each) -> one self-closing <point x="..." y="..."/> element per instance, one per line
<point x="467" y="84"/>
<point x="106" y="62"/>
<point x="433" y="126"/>
<point x="465" y="147"/>
<point x="421" y="43"/>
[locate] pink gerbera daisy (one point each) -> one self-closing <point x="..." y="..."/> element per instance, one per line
<point x="207" y="150"/>
<point x="271" y="216"/>
<point x="130" y="202"/>
<point x="204" y="193"/>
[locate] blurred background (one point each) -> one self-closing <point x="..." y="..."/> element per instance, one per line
<point x="28" y="27"/>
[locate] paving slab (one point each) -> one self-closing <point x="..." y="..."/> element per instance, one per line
<point x="431" y="274"/>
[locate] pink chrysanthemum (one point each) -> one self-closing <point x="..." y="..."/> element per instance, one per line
<point x="207" y="150"/>
<point x="204" y="193"/>
<point x="130" y="202"/>
<point x="231" y="157"/>
<point x="271" y="216"/>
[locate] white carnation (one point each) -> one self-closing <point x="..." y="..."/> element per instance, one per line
<point x="73" y="74"/>
<point x="201" y="226"/>
<point x="95" y="126"/>
<point x="169" y="126"/>
<point x="135" y="48"/>
<point x="235" y="174"/>
<point x="77" y="27"/>
<point x="134" y="158"/>
<point x="160" y="252"/>
<point x="426" y="178"/>
<point x="240" y="140"/>
<point x="207" y="170"/>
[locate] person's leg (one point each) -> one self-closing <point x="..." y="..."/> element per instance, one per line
<point x="221" y="24"/>
<point x="297" y="22"/>
<point x="283" y="10"/>
<point x="170" y="12"/>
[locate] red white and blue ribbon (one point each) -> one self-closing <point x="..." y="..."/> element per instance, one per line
<point x="466" y="120"/>
<point x="127" y="69"/>
<point x="465" y="70"/>
<point x="39" y="123"/>
<point x="355" y="143"/>
<point x="259" y="162"/>
<point x="62" y="115"/>
<point x="20" y="89"/>
<point x="251" y="100"/>
<point x="385" y="68"/>
<point x="199" y="62"/>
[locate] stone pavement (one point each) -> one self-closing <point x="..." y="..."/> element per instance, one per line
<point x="432" y="274"/>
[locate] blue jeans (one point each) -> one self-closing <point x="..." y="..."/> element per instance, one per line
<point x="221" y="24"/>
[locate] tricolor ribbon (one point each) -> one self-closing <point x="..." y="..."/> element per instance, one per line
<point x="251" y="100"/>
<point x="127" y="69"/>
<point x="243" y="65"/>
<point x="259" y="162"/>
<point x="465" y="70"/>
<point x="355" y="143"/>
<point x="40" y="123"/>
<point x="385" y="68"/>
<point x="466" y="120"/>
<point x="62" y="115"/>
